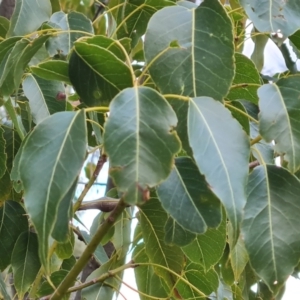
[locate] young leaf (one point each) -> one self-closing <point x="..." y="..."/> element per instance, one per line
<point x="25" y="262"/>
<point x="149" y="146"/>
<point x="216" y="137"/>
<point x="186" y="196"/>
<point x="278" y="118"/>
<point x="203" y="57"/>
<point x="28" y="16"/>
<point x="271" y="224"/>
<point x="62" y="138"/>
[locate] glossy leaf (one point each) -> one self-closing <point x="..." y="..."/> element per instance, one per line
<point x="43" y="97"/>
<point x="13" y="222"/>
<point x="25" y="262"/>
<point x="189" y="54"/>
<point x="71" y="22"/>
<point x="246" y="80"/>
<point x="149" y="147"/>
<point x="104" y="73"/>
<point x="273" y="15"/>
<point x="28" y="16"/>
<point x="152" y="219"/>
<point x="215" y="136"/>
<point x="52" y="70"/>
<point x="278" y="118"/>
<point x="186" y="196"/>
<point x="207" y="248"/>
<point x="63" y="137"/>
<point x="272" y="211"/>
<point x="3" y="155"/>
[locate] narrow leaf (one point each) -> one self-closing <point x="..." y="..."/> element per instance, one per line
<point x="271" y="224"/>
<point x="149" y="147"/>
<point x="215" y="136"/>
<point x="25" y="262"/>
<point x="56" y="146"/>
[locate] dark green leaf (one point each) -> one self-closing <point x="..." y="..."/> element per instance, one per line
<point x="65" y="250"/>
<point x="204" y="56"/>
<point x="216" y="137"/>
<point x="28" y="16"/>
<point x="186" y="196"/>
<point x="4" y="25"/>
<point x="52" y="70"/>
<point x="25" y="262"/>
<point x="141" y="150"/>
<point x="7" y="44"/>
<point x="13" y="222"/>
<point x="68" y="263"/>
<point x="257" y="56"/>
<point x="71" y="22"/>
<point x="246" y="80"/>
<point x="57" y="146"/>
<point x="237" y="112"/>
<point x="271" y="223"/>
<point x="3" y="155"/>
<point x="43" y="96"/>
<point x="279" y="118"/>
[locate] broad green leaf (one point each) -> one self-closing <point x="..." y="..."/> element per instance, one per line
<point x="140" y="149"/>
<point x="3" y="155"/>
<point x="239" y="258"/>
<point x="25" y="262"/>
<point x="204" y="281"/>
<point x="42" y="95"/>
<point x="271" y="224"/>
<point x="75" y="24"/>
<point x="97" y="74"/>
<point x="4" y="25"/>
<point x="28" y="16"/>
<point x="8" y="44"/>
<point x="239" y="112"/>
<point x="215" y="136"/>
<point x="186" y="196"/>
<point x="52" y="70"/>
<point x="273" y="15"/>
<point x="3" y="289"/>
<point x="175" y="234"/>
<point x="68" y="263"/>
<point x="207" y="248"/>
<point x="257" y="56"/>
<point x="246" y="80"/>
<point x="295" y="39"/>
<point x="65" y="250"/>
<point x="56" y="146"/>
<point x="278" y="118"/>
<point x="189" y="54"/>
<point x="152" y="219"/>
<point x="13" y="222"/>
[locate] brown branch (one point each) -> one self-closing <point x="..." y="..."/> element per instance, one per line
<point x="105" y="204"/>
<point x="253" y="164"/>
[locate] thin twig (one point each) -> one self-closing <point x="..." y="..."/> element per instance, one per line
<point x="253" y="164"/>
<point x="105" y="204"/>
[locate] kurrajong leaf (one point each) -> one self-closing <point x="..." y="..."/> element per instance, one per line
<point x="279" y="118"/>
<point x="216" y="137"/>
<point x="187" y="53"/>
<point x="271" y="224"/>
<point x="57" y="148"/>
<point x="3" y="155"/>
<point x="140" y="149"/>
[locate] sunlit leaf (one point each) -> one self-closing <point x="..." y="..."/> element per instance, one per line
<point x="271" y="224"/>
<point x="141" y="150"/>
<point x="63" y="138"/>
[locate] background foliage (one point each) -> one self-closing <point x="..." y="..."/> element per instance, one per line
<point x="203" y="149"/>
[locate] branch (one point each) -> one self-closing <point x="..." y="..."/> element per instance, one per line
<point x="253" y="164"/>
<point x="88" y="252"/>
<point x="105" y="204"/>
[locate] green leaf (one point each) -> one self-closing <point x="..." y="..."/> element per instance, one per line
<point x="278" y="118"/>
<point x="149" y="146"/>
<point x="257" y="56"/>
<point x="57" y="146"/>
<point x="246" y="80"/>
<point x="25" y="262"/>
<point x="273" y="15"/>
<point x="3" y="155"/>
<point x="4" y="25"/>
<point x="43" y="97"/>
<point x="215" y="136"/>
<point x="52" y="70"/>
<point x="3" y="289"/>
<point x="207" y="248"/>
<point x="186" y="196"/>
<point x="205" y="56"/>
<point x="237" y="113"/>
<point x="239" y="258"/>
<point x="8" y="44"/>
<point x="175" y="234"/>
<point x="271" y="224"/>
<point x="28" y="16"/>
<point x="13" y="222"/>
<point x="75" y="24"/>
<point x="65" y="250"/>
<point x="152" y="220"/>
<point x="97" y="74"/>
